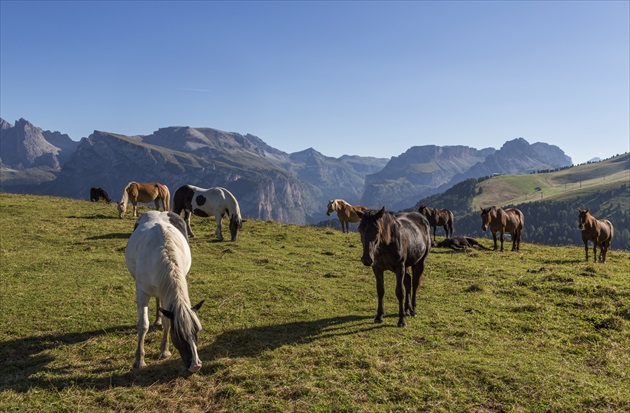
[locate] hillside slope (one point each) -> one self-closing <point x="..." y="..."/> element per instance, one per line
<point x="549" y="201"/>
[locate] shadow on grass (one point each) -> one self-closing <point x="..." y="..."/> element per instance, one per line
<point x="123" y="235"/>
<point x="97" y="216"/>
<point x="25" y="364"/>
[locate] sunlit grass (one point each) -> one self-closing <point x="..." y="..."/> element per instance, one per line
<point x="288" y="324"/>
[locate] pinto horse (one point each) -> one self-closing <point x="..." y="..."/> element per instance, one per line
<point x="158" y="258"/>
<point x="395" y="242"/>
<point x="503" y="220"/>
<point x="201" y="202"/>
<point x="598" y="231"/>
<point x="98" y="194"/>
<point x="439" y="218"/>
<point x="345" y="212"/>
<point x="136" y="192"/>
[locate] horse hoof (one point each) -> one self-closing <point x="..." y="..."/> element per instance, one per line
<point x="139" y="365"/>
<point x="165" y="355"/>
<point x="402" y="324"/>
<point x="155" y="327"/>
<point x="378" y="320"/>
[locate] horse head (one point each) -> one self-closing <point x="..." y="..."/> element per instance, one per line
<point x="370" y="230"/>
<point x="583" y="217"/>
<point x="332" y="205"/>
<point x="486" y="217"/>
<point x="184" y="335"/>
<point x="236" y="223"/>
<point x="122" y="209"/>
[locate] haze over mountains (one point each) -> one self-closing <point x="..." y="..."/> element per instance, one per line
<point x="269" y="183"/>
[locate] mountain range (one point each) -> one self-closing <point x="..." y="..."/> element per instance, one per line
<point x="270" y="184"/>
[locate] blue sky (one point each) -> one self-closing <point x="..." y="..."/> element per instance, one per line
<point x="362" y="78"/>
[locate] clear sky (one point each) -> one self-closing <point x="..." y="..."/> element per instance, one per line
<point x="363" y="78"/>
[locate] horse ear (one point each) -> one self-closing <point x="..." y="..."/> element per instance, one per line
<point x="579" y="210"/>
<point x="167" y="313"/>
<point x="587" y="209"/>
<point x="481" y="208"/>
<point x="196" y="307"/>
<point x="380" y="213"/>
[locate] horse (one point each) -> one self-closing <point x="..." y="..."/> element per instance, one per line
<point x="458" y="243"/>
<point x="202" y="202"/>
<point x="151" y="192"/>
<point x="394" y="242"/>
<point x="98" y="194"/>
<point x="345" y="212"/>
<point x="158" y="258"/>
<point x="598" y="231"/>
<point x="439" y="217"/>
<point x="503" y="220"/>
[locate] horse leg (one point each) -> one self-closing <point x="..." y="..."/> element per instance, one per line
<point x="218" y="231"/>
<point x="164" y="351"/>
<point x="434" y="229"/>
<point x="513" y="234"/>
<point x="400" y="275"/>
<point x="187" y="219"/>
<point x="380" y="292"/>
<point x="594" y="251"/>
<point x="494" y="237"/>
<point x="408" y="308"/>
<point x="143" y="327"/>
<point x="135" y="209"/>
<point x="604" y="251"/>
<point x="157" y="204"/>
<point x="157" y="324"/>
<point x="586" y="249"/>
<point x="502" y="233"/>
<point x="417" y="271"/>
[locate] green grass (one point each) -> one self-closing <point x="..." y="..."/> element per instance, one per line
<point x="560" y="185"/>
<point x="288" y="324"/>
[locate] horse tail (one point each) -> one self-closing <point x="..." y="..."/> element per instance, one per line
<point x="166" y="198"/>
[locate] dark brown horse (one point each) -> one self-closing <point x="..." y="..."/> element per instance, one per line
<point x="598" y="231"/>
<point x="99" y="194"/>
<point x="439" y="218"/>
<point x="501" y="220"/>
<point x="345" y="212"/>
<point x="395" y="242"/>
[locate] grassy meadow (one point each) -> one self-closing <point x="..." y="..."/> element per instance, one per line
<point x="288" y="324"/>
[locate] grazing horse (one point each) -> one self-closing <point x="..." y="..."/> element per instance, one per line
<point x="216" y="202"/>
<point x="598" y="231"/>
<point x="503" y="220"/>
<point x="135" y="192"/>
<point x="158" y="258"/>
<point x="439" y="218"/>
<point x="395" y="242"/>
<point x="345" y="212"/>
<point x="98" y="194"/>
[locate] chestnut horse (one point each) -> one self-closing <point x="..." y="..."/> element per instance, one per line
<point x="135" y="192"/>
<point x="439" y="217"/>
<point x="503" y="220"/>
<point x="598" y="231"/>
<point x="395" y="242"/>
<point x="345" y="212"/>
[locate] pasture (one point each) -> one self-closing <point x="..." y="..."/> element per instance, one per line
<point x="288" y="324"/>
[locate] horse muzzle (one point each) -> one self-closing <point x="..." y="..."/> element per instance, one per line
<point x="367" y="260"/>
<point x="195" y="366"/>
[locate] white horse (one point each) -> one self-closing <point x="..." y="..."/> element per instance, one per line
<point x="158" y="258"/>
<point x="203" y="202"/>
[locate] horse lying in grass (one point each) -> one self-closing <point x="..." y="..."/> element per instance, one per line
<point x="501" y="220"/>
<point x="158" y="258"/>
<point x="202" y="202"/>
<point x="137" y="192"/>
<point x="345" y="212"/>
<point x="458" y="243"/>
<point x="395" y="242"/>
<point x="598" y="231"/>
<point x="439" y="218"/>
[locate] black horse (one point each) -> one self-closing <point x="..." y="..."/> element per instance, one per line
<point x="439" y="218"/>
<point x="395" y="242"/>
<point x="98" y="194"/>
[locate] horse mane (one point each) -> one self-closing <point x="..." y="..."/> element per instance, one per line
<point x="387" y="226"/>
<point x="233" y="209"/>
<point x="124" y="198"/>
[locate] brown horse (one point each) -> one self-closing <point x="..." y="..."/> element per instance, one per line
<point x="439" y="218"/>
<point x="503" y="220"/>
<point x="346" y="212"/>
<point x="145" y="193"/>
<point x="598" y="231"/>
<point x="395" y="242"/>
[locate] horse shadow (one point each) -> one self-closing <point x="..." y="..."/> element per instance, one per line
<point x="97" y="216"/>
<point x="120" y="235"/>
<point x="24" y="359"/>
